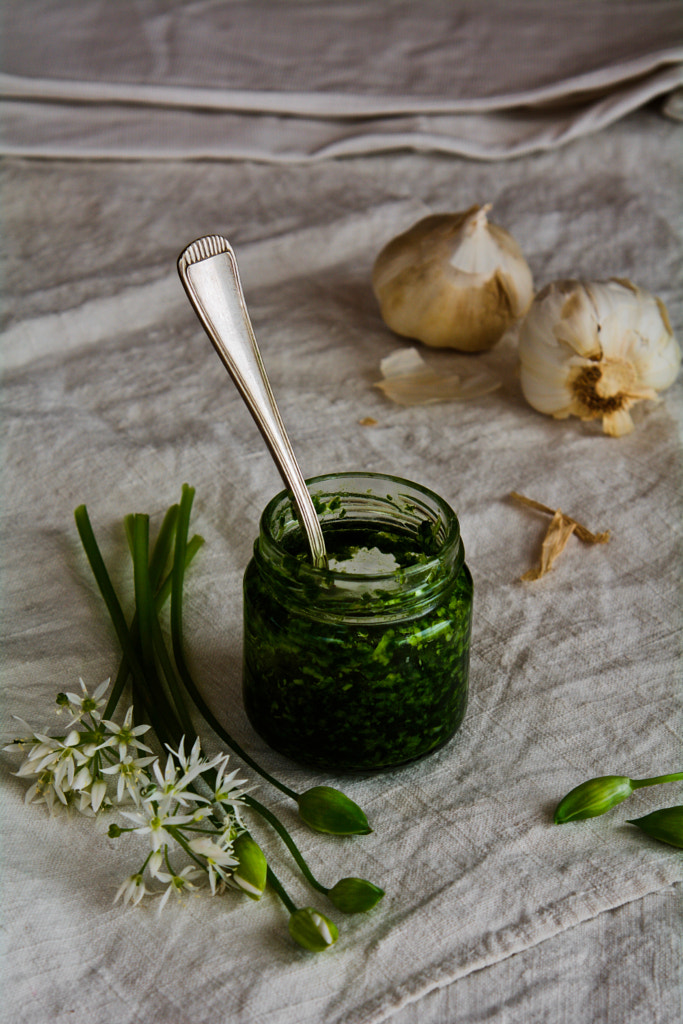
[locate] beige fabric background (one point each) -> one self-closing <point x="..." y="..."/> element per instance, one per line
<point x="113" y="397"/>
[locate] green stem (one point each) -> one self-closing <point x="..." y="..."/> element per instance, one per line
<point x="143" y="589"/>
<point x="168" y="863"/>
<point x="151" y="638"/>
<point x="108" y="593"/>
<point x="656" y="780"/>
<point x="178" y="648"/>
<point x="287" y="839"/>
<point x="162" y="547"/>
<point x="128" y="642"/>
<point x="120" y="681"/>
<point x="280" y="890"/>
<point x="182" y="841"/>
<point x="128" y="522"/>
<point x="173" y="683"/>
<point x="158" y="713"/>
<point x="163" y="592"/>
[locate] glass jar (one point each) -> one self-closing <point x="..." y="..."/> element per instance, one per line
<point x="362" y="666"/>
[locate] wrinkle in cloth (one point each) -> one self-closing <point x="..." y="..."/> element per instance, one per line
<point x="307" y="81"/>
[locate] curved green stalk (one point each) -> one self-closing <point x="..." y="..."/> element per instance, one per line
<point x="163" y="592"/>
<point x="656" y="780"/>
<point x="108" y="593"/>
<point x="150" y="629"/>
<point x="287" y="840"/>
<point x="129" y="644"/>
<point x="162" y="547"/>
<point x="143" y="589"/>
<point x="277" y="885"/>
<point x="178" y="579"/>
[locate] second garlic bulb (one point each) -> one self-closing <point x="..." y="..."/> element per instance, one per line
<point x="594" y="349"/>
<point x="453" y="280"/>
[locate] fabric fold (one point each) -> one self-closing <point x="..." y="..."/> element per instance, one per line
<point x="300" y="82"/>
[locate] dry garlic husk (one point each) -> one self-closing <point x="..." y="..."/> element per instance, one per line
<point x="453" y="280"/>
<point x="558" y="533"/>
<point x="408" y="380"/>
<point x="594" y="349"/>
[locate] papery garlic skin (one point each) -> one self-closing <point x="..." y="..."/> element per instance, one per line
<point x="453" y="280"/>
<point x="594" y="349"/>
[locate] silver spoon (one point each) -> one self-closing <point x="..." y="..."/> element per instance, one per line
<point x="208" y="270"/>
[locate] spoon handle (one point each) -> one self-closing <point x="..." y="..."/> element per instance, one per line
<point x="208" y="271"/>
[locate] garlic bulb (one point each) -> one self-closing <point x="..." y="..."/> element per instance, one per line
<point x="453" y="280"/>
<point x="593" y="349"/>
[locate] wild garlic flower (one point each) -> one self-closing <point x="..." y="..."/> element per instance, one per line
<point x="179" y="884"/>
<point x="216" y="857"/>
<point x="100" y="763"/>
<point x="172" y="784"/>
<point x="131" y="776"/>
<point x="228" y="790"/>
<point x="83" y="703"/>
<point x="151" y="820"/>
<point x="43" y="792"/>
<point x="132" y="889"/>
<point x="185" y="762"/>
<point x="69" y="769"/>
<point x="125" y="735"/>
<point x="61" y="759"/>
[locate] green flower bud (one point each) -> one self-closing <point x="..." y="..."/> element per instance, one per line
<point x="312" y="930"/>
<point x="355" y="895"/>
<point x="250" y="873"/>
<point x="328" y="810"/>
<point x="665" y="825"/>
<point x="592" y="798"/>
<point x="114" y="831"/>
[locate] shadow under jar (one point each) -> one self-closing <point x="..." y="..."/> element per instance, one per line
<point x="362" y="666"/>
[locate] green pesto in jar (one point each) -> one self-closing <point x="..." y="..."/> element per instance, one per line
<point x="363" y="666"/>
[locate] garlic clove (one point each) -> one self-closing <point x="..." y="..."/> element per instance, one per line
<point x="453" y="280"/>
<point x="577" y="325"/>
<point x="594" y="349"/>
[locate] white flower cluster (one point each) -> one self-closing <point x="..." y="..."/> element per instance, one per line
<point x="97" y="765"/>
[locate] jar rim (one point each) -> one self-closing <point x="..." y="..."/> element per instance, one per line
<point x="449" y="542"/>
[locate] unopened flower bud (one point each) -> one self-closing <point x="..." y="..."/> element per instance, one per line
<point x="328" y="810"/>
<point x="250" y="873"/>
<point x="592" y="798"/>
<point x="82" y="778"/>
<point x="312" y="930"/>
<point x="155" y="863"/>
<point x="665" y="825"/>
<point x="355" y="895"/>
<point x="114" y="831"/>
<point x="98" y="791"/>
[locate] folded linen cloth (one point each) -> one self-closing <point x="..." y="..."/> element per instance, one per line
<point x="302" y="81"/>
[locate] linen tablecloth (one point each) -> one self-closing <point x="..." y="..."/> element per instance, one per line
<point x="114" y="397"/>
